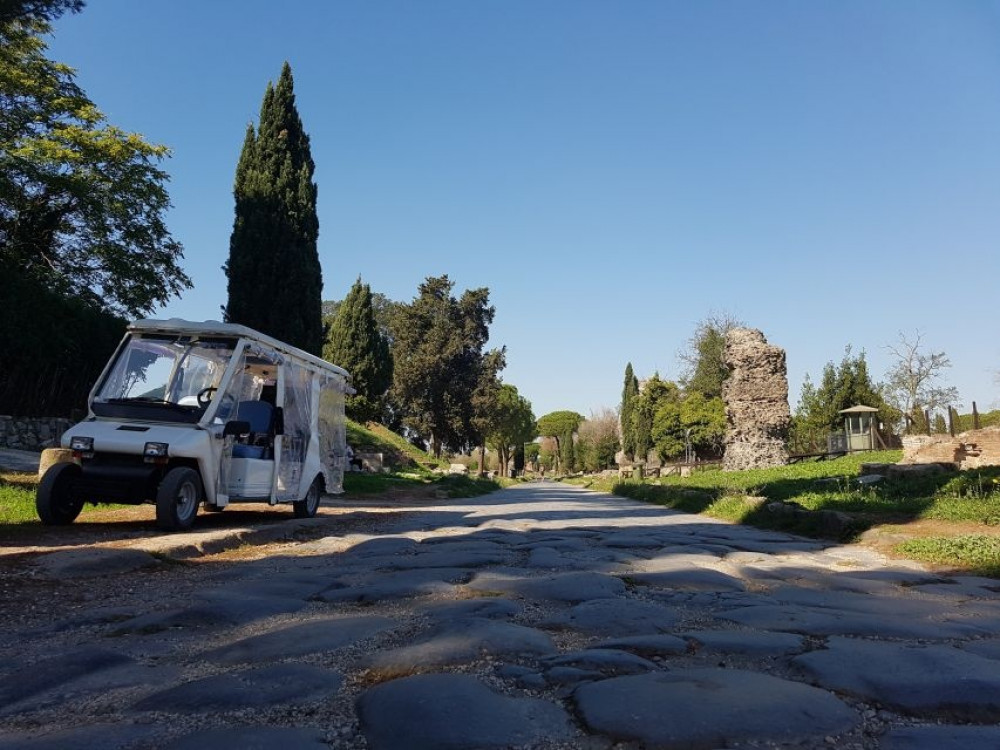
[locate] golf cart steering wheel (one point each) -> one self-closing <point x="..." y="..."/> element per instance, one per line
<point x="205" y="396"/>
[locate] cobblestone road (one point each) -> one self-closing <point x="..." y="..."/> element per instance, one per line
<point x="540" y="616"/>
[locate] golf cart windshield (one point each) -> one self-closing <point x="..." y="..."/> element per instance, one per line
<point x="164" y="378"/>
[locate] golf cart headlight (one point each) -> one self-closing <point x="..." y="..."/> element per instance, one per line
<point x="82" y="444"/>
<point x="155" y="450"/>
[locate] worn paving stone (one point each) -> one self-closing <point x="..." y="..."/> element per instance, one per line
<point x="26" y="681"/>
<point x="491" y="607"/>
<point x="455" y="712"/>
<point x="459" y="641"/>
<point x="93" y="561"/>
<point x="691" y="579"/>
<point x="647" y="645"/>
<point x="940" y="681"/>
<point x="251" y="738"/>
<point x="710" y="708"/>
<point x="988" y="648"/>
<point x="94" y="736"/>
<point x="941" y="738"/>
<point x="563" y="587"/>
<point x="254" y="688"/>
<point x="606" y="661"/>
<point x="748" y="643"/>
<point x="400" y="584"/>
<point x="619" y="617"/>
<point x="220" y="609"/>
<point x="831" y="621"/>
<point x="447" y="558"/>
<point x="312" y="637"/>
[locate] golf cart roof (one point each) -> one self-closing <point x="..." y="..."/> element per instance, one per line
<point x="216" y="328"/>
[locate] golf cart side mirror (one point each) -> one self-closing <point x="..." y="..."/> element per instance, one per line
<point x="236" y="427"/>
<point x="279" y="421"/>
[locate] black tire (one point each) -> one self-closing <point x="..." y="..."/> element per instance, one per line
<point x="307" y="506"/>
<point x="55" y="500"/>
<point x="177" y="499"/>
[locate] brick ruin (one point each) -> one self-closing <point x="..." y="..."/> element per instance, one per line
<point x="967" y="450"/>
<point x="756" y="400"/>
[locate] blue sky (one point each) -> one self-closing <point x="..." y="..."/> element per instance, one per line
<point x="828" y="172"/>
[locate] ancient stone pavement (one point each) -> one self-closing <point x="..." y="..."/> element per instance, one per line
<point x="541" y="616"/>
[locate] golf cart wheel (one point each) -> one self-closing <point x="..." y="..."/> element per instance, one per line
<point x="177" y="499"/>
<point x="307" y="506"/>
<point x="55" y="501"/>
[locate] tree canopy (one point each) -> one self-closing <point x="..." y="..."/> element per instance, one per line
<point x="275" y="279"/>
<point x="913" y="382"/>
<point x="842" y="386"/>
<point x="510" y="425"/>
<point x="355" y="343"/>
<point x="442" y="375"/>
<point x="560" y="426"/>
<point x="82" y="202"/>
<point x="704" y="356"/>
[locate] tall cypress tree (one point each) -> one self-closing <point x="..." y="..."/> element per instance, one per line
<point x="629" y="393"/>
<point x="275" y="280"/>
<point x="356" y="344"/>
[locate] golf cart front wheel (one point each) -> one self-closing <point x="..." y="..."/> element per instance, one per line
<point x="56" y="502"/>
<point x="177" y="499"/>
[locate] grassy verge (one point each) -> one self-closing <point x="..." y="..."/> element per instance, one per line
<point x="973" y="553"/>
<point x="17" y="498"/>
<point x="958" y="499"/>
<point x="454" y="486"/>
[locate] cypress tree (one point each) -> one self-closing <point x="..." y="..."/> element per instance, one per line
<point x="275" y="280"/>
<point x="629" y="393"/>
<point x="356" y="344"/>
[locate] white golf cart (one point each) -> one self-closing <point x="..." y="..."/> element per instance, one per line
<point x="187" y="412"/>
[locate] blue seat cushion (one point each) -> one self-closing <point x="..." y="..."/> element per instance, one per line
<point x="248" y="451"/>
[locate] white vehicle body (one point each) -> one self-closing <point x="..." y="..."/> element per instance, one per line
<point x="257" y="419"/>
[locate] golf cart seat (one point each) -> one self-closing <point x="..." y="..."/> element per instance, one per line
<point x="257" y="444"/>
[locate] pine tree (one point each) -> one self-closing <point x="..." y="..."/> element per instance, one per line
<point x="629" y="393"/>
<point x="275" y="280"/>
<point x="356" y="344"/>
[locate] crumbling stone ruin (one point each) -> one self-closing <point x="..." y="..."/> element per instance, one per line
<point x="756" y="399"/>
<point x="967" y="450"/>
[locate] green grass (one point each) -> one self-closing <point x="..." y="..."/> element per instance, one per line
<point x="971" y="553"/>
<point x="17" y="498"/>
<point x="454" y="485"/>
<point x="398" y="453"/>
<point x="970" y="496"/>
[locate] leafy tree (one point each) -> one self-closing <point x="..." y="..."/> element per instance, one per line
<point x="355" y="343"/>
<point x="841" y="387"/>
<point x="597" y="442"/>
<point x="557" y="425"/>
<point x="913" y="381"/>
<point x="37" y="10"/>
<point x="440" y="364"/>
<point x="383" y="309"/>
<point x="512" y="424"/>
<point x="654" y="392"/>
<point x="704" y="423"/>
<point x="82" y="202"/>
<point x="275" y="280"/>
<point x="567" y="453"/>
<point x="630" y="391"/>
<point x="704" y="356"/>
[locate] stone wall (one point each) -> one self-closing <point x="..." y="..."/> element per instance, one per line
<point x="967" y="450"/>
<point x="756" y="400"/>
<point x="32" y="433"/>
